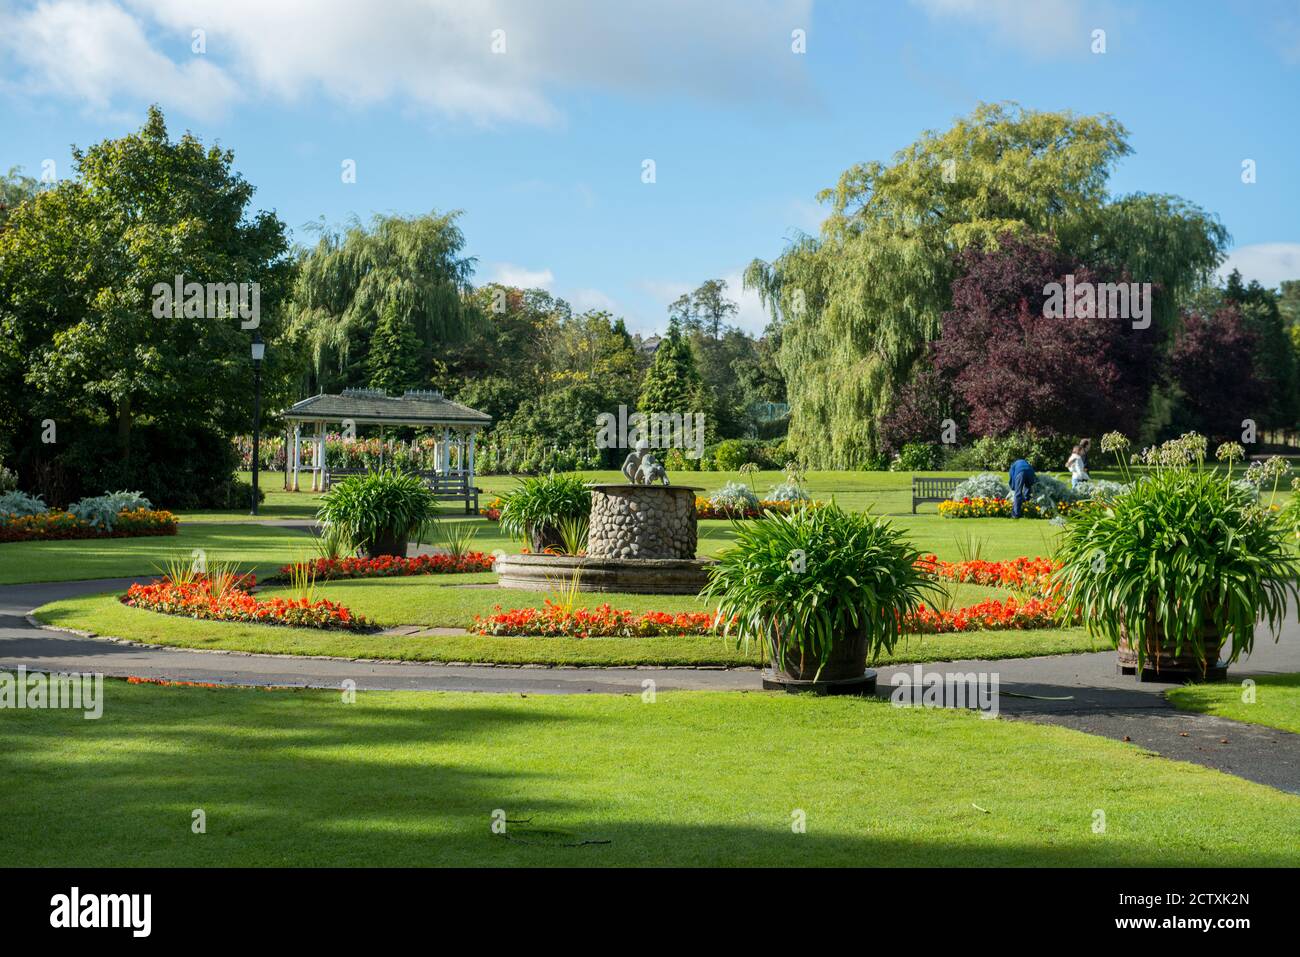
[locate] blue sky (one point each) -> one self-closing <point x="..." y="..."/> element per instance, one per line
<point x="543" y="144"/>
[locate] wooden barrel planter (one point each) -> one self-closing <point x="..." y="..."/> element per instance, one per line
<point x="845" y="671"/>
<point x="387" y="545"/>
<point x="1162" y="662"/>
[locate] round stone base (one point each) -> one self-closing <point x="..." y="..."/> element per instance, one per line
<point x="641" y="576"/>
<point x="777" y="681"/>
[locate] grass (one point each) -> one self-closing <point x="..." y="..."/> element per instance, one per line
<point x="105" y="615"/>
<point x="254" y="548"/>
<point x="413" y="779"/>
<point x="1276" y="701"/>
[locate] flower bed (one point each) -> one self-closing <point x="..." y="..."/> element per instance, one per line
<point x="492" y="510"/>
<point x="59" y="525"/>
<point x="1001" y="508"/>
<point x="1027" y="574"/>
<point x="991" y="615"/>
<point x="705" y="509"/>
<point x="393" y="566"/>
<point x="201" y="599"/>
<point x="603" y="622"/>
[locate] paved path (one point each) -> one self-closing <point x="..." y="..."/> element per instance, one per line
<point x="1077" y="691"/>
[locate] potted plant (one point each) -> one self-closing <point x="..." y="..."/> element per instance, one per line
<point x="538" y="507"/>
<point x="1181" y="563"/>
<point x="378" y="512"/>
<point x="821" y="591"/>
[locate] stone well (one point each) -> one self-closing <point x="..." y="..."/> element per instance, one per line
<point x="641" y="539"/>
<point x="642" y="521"/>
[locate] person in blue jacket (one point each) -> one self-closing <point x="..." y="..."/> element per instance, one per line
<point x="1022" y="484"/>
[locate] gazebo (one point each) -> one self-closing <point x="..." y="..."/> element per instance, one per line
<point x="419" y="409"/>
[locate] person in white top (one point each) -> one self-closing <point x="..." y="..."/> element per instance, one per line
<point x="1077" y="463"/>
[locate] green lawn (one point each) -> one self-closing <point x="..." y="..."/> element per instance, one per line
<point x="105" y="615"/>
<point x="413" y="779"/>
<point x="1276" y="704"/>
<point x="255" y="548"/>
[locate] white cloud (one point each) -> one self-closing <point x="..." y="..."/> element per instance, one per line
<point x="584" y="299"/>
<point x="521" y="277"/>
<point x="94" y="51"/>
<point x="435" y="55"/>
<point x="1270" y="263"/>
<point x="1042" y="27"/>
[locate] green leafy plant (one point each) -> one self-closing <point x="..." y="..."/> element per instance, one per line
<point x="969" y="548"/>
<point x="333" y="543"/>
<point x="302" y="581"/>
<point x="573" y="533"/>
<point x="455" y="538"/>
<point x="378" y="510"/>
<point x="535" y="509"/>
<point x="1185" y="560"/>
<point x="800" y="584"/>
<point x="101" y="511"/>
<point x="180" y="569"/>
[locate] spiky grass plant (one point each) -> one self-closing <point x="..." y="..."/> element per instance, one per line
<point x="378" y="506"/>
<point x="799" y="583"/>
<point x="1185" y="553"/>
<point x="573" y="533"/>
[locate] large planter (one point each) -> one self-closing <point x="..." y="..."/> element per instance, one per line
<point x="1162" y="662"/>
<point x="542" y="537"/>
<point x="845" y="671"/>
<point x="387" y="545"/>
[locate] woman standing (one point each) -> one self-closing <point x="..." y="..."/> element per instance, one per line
<point x="1077" y="463"/>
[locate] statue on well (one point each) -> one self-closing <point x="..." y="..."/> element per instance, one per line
<point x="642" y="468"/>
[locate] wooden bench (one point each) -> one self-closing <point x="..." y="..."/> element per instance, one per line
<point x="446" y="487"/>
<point x="932" y="490"/>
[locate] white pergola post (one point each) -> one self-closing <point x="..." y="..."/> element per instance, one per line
<point x="319" y="457"/>
<point x="288" y="462"/>
<point x="295" y="453"/>
<point x="446" y="450"/>
<point x="472" y="434"/>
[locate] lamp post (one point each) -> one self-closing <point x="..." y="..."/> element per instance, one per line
<point x="259" y="350"/>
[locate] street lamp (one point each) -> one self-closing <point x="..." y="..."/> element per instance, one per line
<point x="259" y="350"/>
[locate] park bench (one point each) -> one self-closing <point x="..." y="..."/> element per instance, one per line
<point x="932" y="490"/>
<point x="452" y="486"/>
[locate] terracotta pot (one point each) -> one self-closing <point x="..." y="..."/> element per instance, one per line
<point x="387" y="545"/>
<point x="848" y="660"/>
<point x="1159" y="655"/>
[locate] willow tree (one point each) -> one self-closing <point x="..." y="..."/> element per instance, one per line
<point x="858" y="303"/>
<point x="403" y="277"/>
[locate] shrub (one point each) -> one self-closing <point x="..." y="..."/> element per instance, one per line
<point x="1049" y="493"/>
<point x="535" y="509"/>
<point x="917" y="457"/>
<point x="734" y="497"/>
<point x="787" y="492"/>
<point x="379" y="509"/>
<point x="731" y="454"/>
<point x="1101" y="488"/>
<point x="8" y="481"/>
<point x="21" y="505"/>
<point x="101" y="511"/>
<point x="858" y="577"/>
<point x="984" y="485"/>
<point x="996" y="453"/>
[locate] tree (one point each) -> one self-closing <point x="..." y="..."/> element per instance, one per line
<point x="861" y="301"/>
<point x="672" y="384"/>
<point x="394" y="355"/>
<point x="1212" y="373"/>
<point x="1274" y="360"/>
<point x="410" y="266"/>
<point x="1013" y="367"/>
<point x="79" y="267"/>
<point x="15" y="188"/>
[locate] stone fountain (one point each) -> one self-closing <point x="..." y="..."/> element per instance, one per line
<point x="641" y="538"/>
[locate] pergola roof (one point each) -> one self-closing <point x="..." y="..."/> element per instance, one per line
<point x="373" y="407"/>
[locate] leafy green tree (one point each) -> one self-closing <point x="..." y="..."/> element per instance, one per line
<point x="859" y="302"/>
<point x="15" y="188"/>
<point x="672" y="383"/>
<point x="394" y="357"/>
<point x="78" y="266"/>
<point x="1275" y="361"/>
<point x="406" y="267"/>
